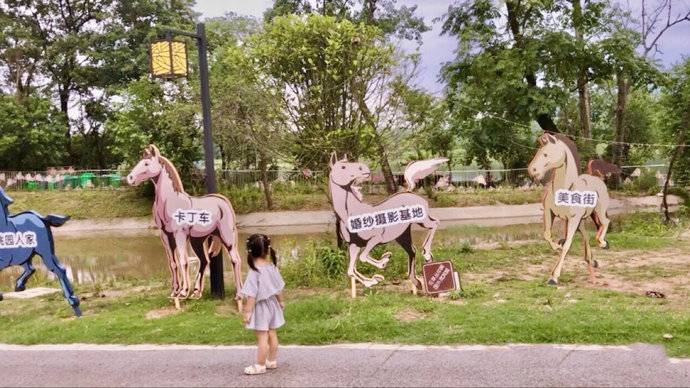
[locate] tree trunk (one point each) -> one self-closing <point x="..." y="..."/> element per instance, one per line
<point x="619" y="153"/>
<point x="676" y="152"/>
<point x="582" y="79"/>
<point x="265" y="182"/>
<point x="391" y="184"/>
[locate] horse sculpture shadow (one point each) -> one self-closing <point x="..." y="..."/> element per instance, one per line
<point x="24" y="235"/>
<point x="556" y="158"/>
<point x="348" y="203"/>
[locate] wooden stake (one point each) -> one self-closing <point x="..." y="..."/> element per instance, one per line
<point x="414" y="288"/>
<point x="353" y="288"/>
<point x="177" y="303"/>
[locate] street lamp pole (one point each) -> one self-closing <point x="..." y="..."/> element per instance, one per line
<point x="216" y="265"/>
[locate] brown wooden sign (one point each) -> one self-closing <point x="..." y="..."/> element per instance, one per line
<point x="439" y="277"/>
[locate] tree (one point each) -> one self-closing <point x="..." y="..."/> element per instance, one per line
<point x="246" y="108"/>
<point x="85" y="51"/>
<point x="31" y="134"/>
<point x="676" y="125"/>
<point x="158" y="113"/>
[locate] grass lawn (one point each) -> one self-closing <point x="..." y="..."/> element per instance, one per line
<point x="504" y="300"/>
<point x="128" y="202"/>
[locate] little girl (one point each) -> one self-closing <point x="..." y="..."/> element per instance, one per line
<point x="263" y="312"/>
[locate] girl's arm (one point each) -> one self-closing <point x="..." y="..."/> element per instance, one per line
<point x="279" y="296"/>
<point x="248" y="308"/>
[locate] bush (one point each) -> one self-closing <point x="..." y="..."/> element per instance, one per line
<point x="445" y="200"/>
<point x="320" y="265"/>
<point x="645" y="184"/>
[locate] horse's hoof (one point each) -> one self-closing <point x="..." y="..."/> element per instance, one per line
<point x="595" y="264"/>
<point x="19" y="288"/>
<point x="195" y="295"/>
<point x="561" y="242"/>
<point x="1" y="296"/>
<point x="606" y="244"/>
<point x="552" y="282"/>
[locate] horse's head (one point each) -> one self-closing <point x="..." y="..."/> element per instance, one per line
<point x="551" y="155"/>
<point x="344" y="173"/>
<point x="5" y="200"/>
<point x="148" y="167"/>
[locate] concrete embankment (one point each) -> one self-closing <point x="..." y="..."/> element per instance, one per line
<point x="298" y="222"/>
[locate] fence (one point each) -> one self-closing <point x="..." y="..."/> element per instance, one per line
<point x="62" y="179"/>
<point x="65" y="179"/>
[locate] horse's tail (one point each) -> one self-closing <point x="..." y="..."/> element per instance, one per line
<point x="55" y="220"/>
<point x="420" y="169"/>
<point x="216" y="246"/>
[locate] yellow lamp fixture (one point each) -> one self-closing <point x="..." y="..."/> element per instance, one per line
<point x="168" y="58"/>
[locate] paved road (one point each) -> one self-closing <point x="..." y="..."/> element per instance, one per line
<point x="344" y="365"/>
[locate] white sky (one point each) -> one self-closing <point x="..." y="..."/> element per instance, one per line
<point x="437" y="49"/>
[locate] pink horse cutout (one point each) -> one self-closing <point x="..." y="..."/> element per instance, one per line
<point x="364" y="226"/>
<point x="184" y="219"/>
<point x="555" y="157"/>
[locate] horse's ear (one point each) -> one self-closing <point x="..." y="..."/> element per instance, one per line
<point x="154" y="151"/>
<point x="551" y="138"/>
<point x="344" y="158"/>
<point x="334" y="159"/>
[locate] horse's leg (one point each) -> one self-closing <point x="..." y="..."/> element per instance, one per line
<point x="52" y="263"/>
<point x="352" y="268"/>
<point x="588" y="251"/>
<point x="572" y="227"/>
<point x="365" y="257"/>
<point x="198" y="248"/>
<point x="169" y="247"/>
<point x="236" y="262"/>
<point x="548" y="224"/>
<point x="183" y="263"/>
<point x="29" y="270"/>
<point x="431" y="224"/>
<point x="603" y="227"/>
<point x="405" y="241"/>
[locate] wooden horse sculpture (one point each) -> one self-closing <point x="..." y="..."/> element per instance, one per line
<point x="184" y="219"/>
<point x="554" y="155"/>
<point x="24" y="235"/>
<point x="364" y="226"/>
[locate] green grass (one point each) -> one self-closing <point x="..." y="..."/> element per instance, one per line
<point x="523" y="312"/>
<point x="128" y="202"/>
<point x="84" y="204"/>
<point x="502" y="301"/>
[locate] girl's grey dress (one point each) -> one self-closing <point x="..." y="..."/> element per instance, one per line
<point x="263" y="285"/>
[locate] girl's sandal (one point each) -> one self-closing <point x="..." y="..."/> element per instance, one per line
<point x="255" y="369"/>
<point x="271" y="364"/>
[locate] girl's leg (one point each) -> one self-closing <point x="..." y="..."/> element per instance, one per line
<point x="262" y="346"/>
<point x="272" y="345"/>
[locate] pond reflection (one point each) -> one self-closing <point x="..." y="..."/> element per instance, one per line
<point x="100" y="258"/>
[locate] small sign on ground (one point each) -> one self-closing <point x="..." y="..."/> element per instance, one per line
<point x="439" y="277"/>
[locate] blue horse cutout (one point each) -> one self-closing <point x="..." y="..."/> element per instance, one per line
<point x="27" y="234"/>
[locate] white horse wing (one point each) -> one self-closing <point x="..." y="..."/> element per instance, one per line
<point x="420" y="169"/>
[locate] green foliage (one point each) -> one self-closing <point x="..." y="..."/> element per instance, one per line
<point x="326" y="65"/>
<point x="645" y="184"/>
<point x="675" y="118"/>
<point x="319" y="265"/>
<point x="150" y="114"/>
<point x="32" y="134"/>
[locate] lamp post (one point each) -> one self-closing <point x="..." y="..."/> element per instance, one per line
<point x="168" y="59"/>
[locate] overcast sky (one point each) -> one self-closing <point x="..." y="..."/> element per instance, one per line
<point x="437" y="49"/>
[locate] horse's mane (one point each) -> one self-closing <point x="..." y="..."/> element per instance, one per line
<point x="172" y="173"/>
<point x="571" y="146"/>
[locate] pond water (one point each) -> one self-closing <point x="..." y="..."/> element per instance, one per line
<point x="100" y="258"/>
